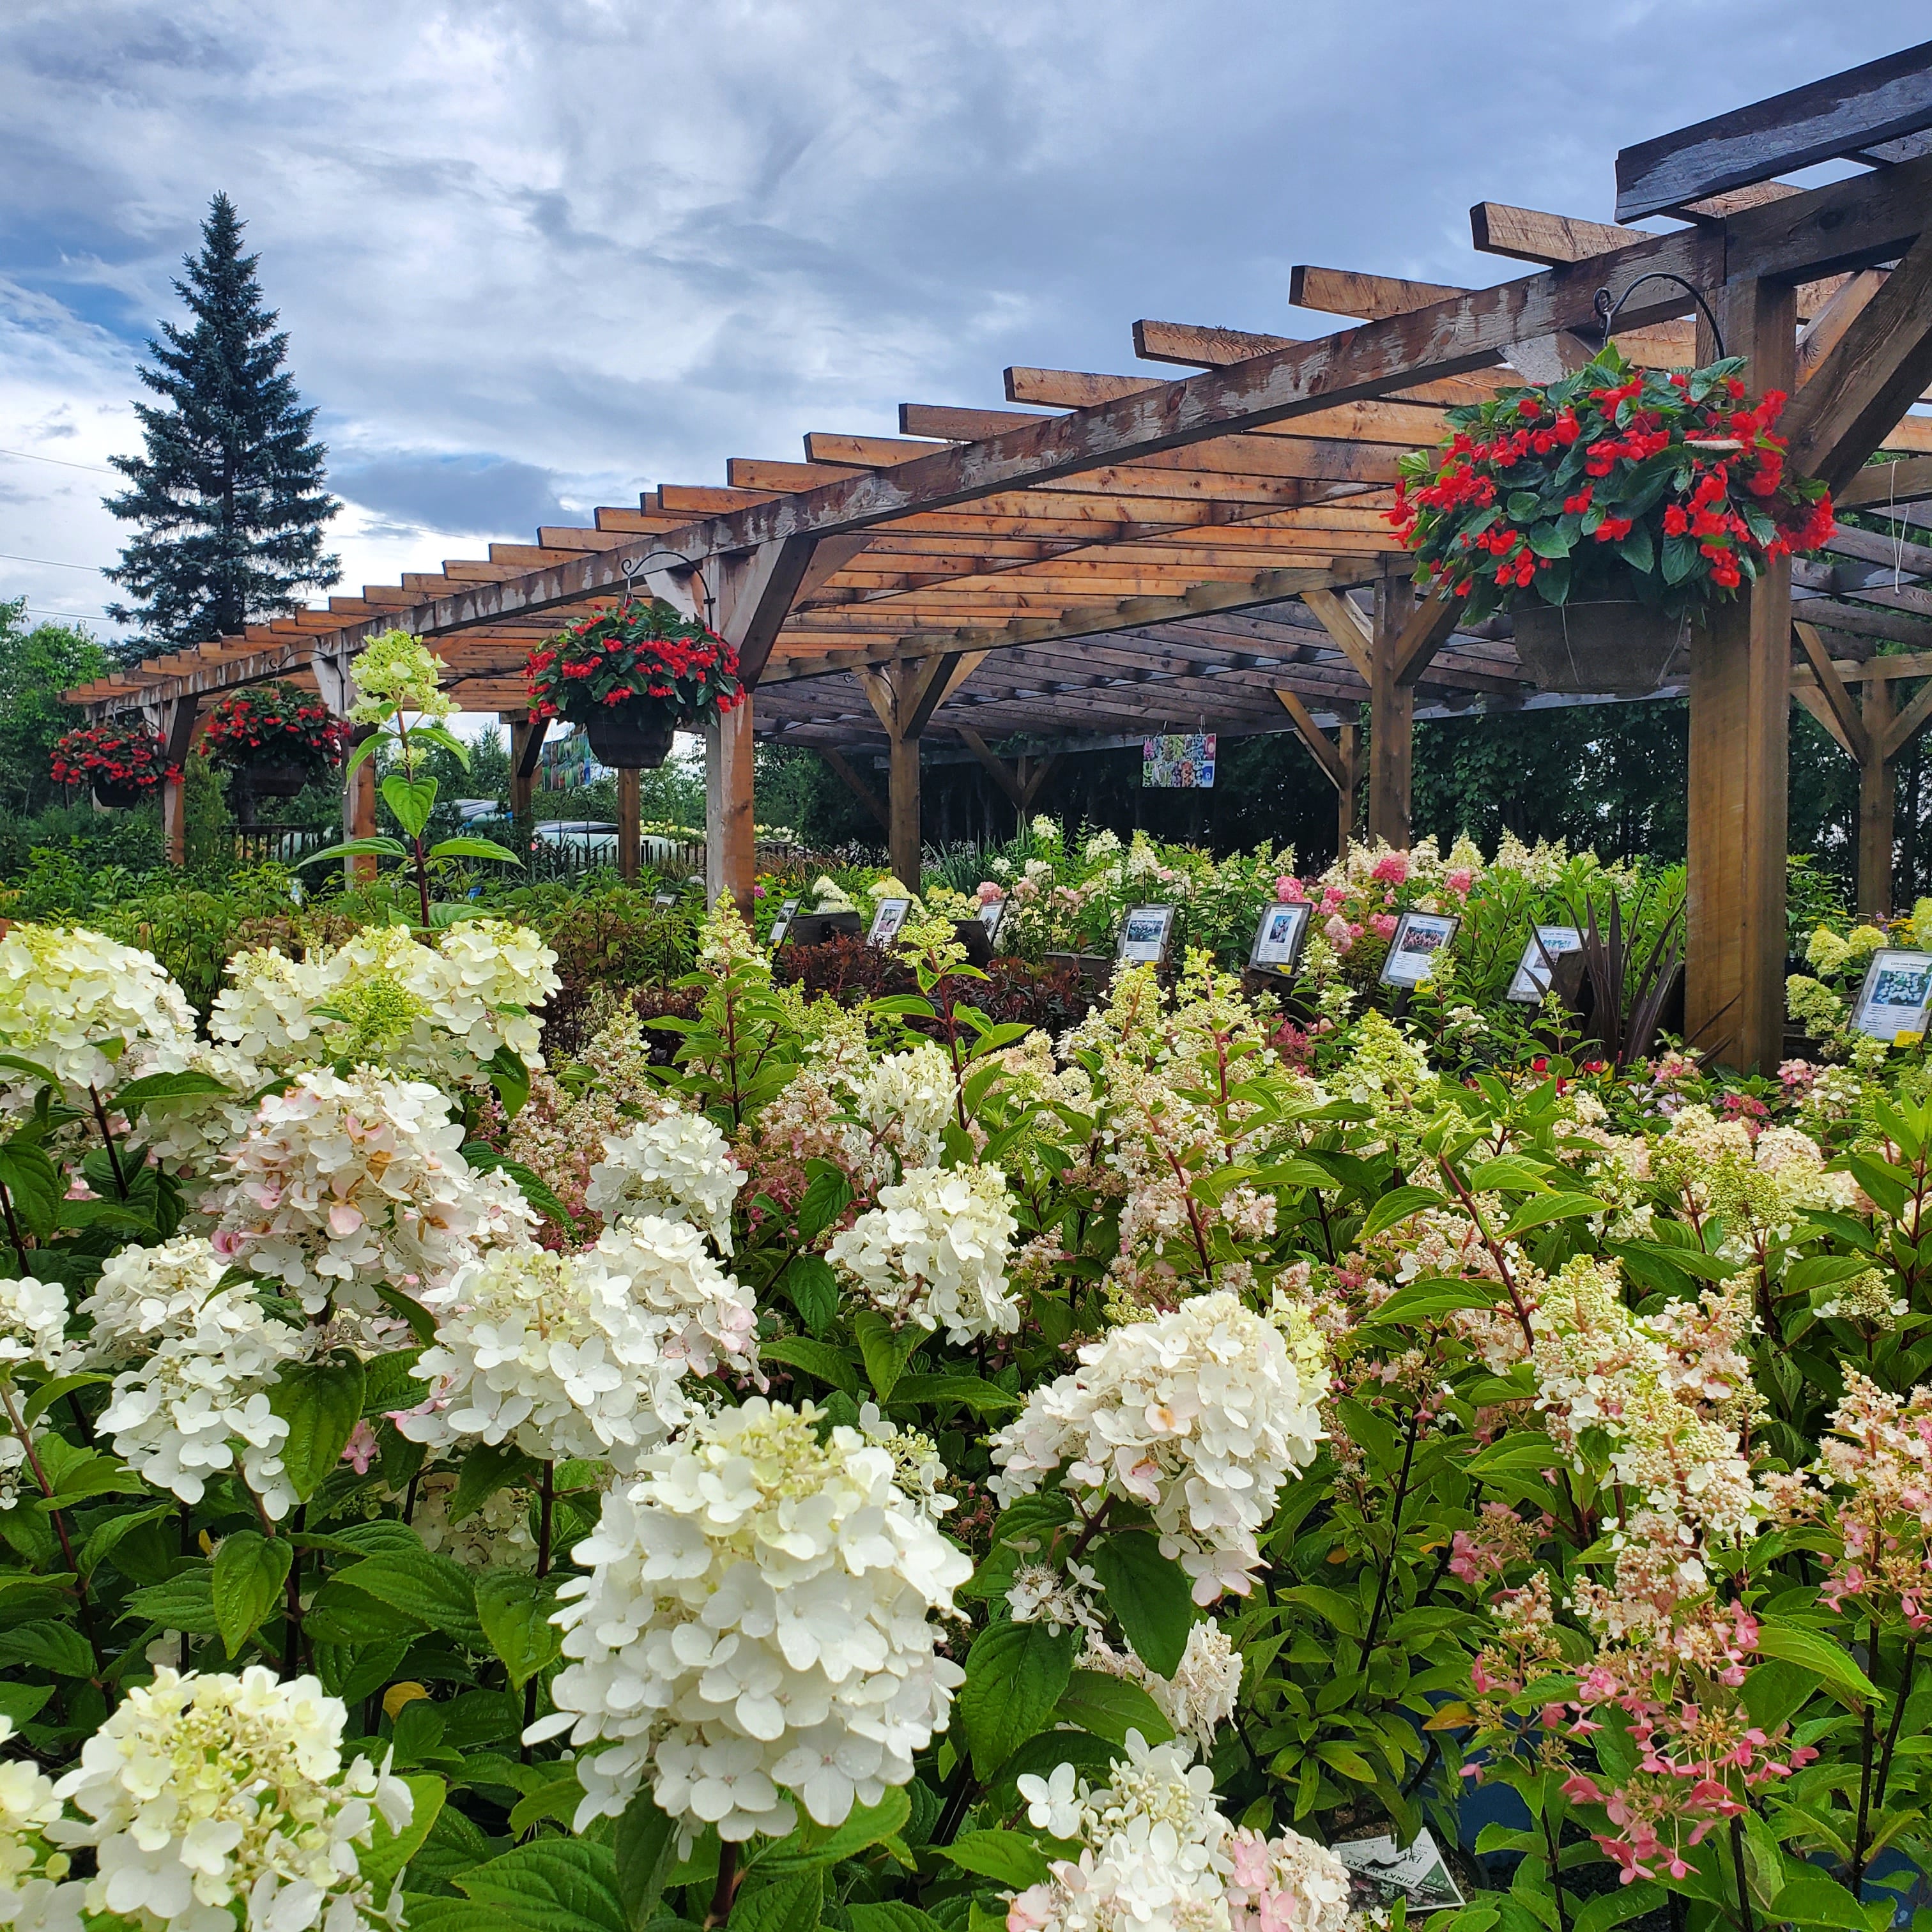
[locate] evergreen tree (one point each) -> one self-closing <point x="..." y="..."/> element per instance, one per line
<point x="230" y="494"/>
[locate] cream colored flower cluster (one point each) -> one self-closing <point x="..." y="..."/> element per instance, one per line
<point x="342" y="1186"/>
<point x="1199" y="1698"/>
<point x="905" y="1101"/>
<point x="1158" y="1855"/>
<point x="934" y="1251"/>
<point x="495" y="1535"/>
<point x="67" y="996"/>
<point x="398" y="668"/>
<point x="677" y="1167"/>
<point x="209" y="1796"/>
<point x="199" y="1404"/>
<point x="581" y="1355"/>
<point x="144" y="1296"/>
<point x="385" y="997"/>
<point x="33" y="1325"/>
<point x="1199" y="1415"/>
<point x="756" y="1631"/>
<point x="1757" y="1188"/>
<point x="36" y="1895"/>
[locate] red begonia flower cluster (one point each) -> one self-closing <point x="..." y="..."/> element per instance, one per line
<point x="640" y="653"/>
<point x="271" y="723"/>
<point x="1613" y="483"/>
<point x="128" y="758"/>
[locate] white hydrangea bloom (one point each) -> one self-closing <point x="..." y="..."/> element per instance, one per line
<point x="1200" y="1695"/>
<point x="341" y="1184"/>
<point x="934" y="1252"/>
<point x="757" y="1624"/>
<point x="1199" y="1414"/>
<point x="907" y="1099"/>
<point x="566" y="1355"/>
<point x="214" y="1799"/>
<point x="30" y="1900"/>
<point x="440" y="1011"/>
<point x="678" y="1167"/>
<point x="1157" y="1854"/>
<point x="33" y="1326"/>
<point x="67" y="996"/>
<point x="199" y="1403"/>
<point x="145" y="1296"/>
<point x="186" y="1135"/>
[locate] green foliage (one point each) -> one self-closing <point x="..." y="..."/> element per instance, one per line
<point x="38" y="663"/>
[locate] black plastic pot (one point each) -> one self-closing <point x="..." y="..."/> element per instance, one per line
<point x="1617" y="645"/>
<point x="627" y="742"/>
<point x="119" y="797"/>
<point x="275" y="778"/>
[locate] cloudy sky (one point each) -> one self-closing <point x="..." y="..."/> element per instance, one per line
<point x="535" y="255"/>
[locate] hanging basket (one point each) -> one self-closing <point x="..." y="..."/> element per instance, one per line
<point x="120" y="797"/>
<point x="627" y="742"/>
<point x="1617" y="645"/>
<point x="276" y="778"/>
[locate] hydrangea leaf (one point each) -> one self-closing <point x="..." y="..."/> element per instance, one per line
<point x="1016" y="1674"/>
<point x="514" y="1607"/>
<point x="1007" y="1858"/>
<point x="321" y="1403"/>
<point x="1149" y="1593"/>
<point x="250" y="1569"/>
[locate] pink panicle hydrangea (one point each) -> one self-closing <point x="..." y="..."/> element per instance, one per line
<point x="1383" y="924"/>
<point x="1879" y="1460"/>
<point x="1391" y="868"/>
<point x="1459" y="881"/>
<point x="1288" y="891"/>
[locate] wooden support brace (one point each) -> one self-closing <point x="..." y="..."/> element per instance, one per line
<point x="1848" y="728"/>
<point x="1873" y="375"/>
<point x="845" y="768"/>
<point x="1428" y="628"/>
<point x="1034" y="774"/>
<point x="997" y="766"/>
<point x="1900" y="731"/>
<point x="1906" y="480"/>
<point x="1325" y="752"/>
<point x="1351" y="631"/>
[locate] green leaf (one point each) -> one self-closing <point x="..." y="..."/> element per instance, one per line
<point x="1397" y="1205"/>
<point x="550" y="1885"/>
<point x="815" y="1846"/>
<point x="1425" y="1300"/>
<point x="32" y="1068"/>
<point x="1812" y="1898"/>
<point x="185" y="1602"/>
<point x="1016" y="1674"/>
<point x="469" y="847"/>
<point x="890" y="1914"/>
<point x="423" y="1584"/>
<point x="1636" y="550"/>
<point x="1831" y="1666"/>
<point x="1007" y="1858"/>
<point x="136" y="1095"/>
<point x="321" y="1403"/>
<point x="645" y="1841"/>
<point x="511" y="1079"/>
<point x="1541" y="1208"/>
<point x="788" y="1904"/>
<point x="1508" y="1170"/>
<point x="819" y="1359"/>
<point x="250" y="1569"/>
<point x="58" y="1647"/>
<point x="382" y="1865"/>
<point x="376" y="847"/>
<point x="826" y="1197"/>
<point x="885" y="1349"/>
<point x="514" y="1607"/>
<point x="813" y="1289"/>
<point x="1110" y="1707"/>
<point x="983" y="1398"/>
<point x="486" y="1468"/>
<point x="411" y="800"/>
<point x="1149" y="1593"/>
<point x="100" y="1542"/>
<point x="34" y="1184"/>
<point x="1680" y="558"/>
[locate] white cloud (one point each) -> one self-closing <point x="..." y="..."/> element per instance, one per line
<point x="543" y="252"/>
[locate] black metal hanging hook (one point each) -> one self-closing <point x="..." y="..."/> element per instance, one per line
<point x="1607" y="310"/>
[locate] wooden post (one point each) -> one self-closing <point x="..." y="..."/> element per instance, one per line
<point x="527" y="737"/>
<point x="630" y="834"/>
<point x="1877" y="802"/>
<point x="731" y="826"/>
<point x="176" y="731"/>
<point x="1348" y="745"/>
<point x="903" y="845"/>
<point x="1740" y="752"/>
<point x="1391" y="717"/>
<point x="358" y="816"/>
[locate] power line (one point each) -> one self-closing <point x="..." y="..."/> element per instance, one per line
<point x="28" y="456"/>
<point x="51" y="563"/>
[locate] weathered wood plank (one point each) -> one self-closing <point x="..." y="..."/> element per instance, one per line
<point x="1880" y="101"/>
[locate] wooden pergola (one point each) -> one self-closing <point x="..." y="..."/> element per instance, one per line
<point x="1120" y="552"/>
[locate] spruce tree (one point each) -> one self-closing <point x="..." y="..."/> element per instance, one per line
<point x="230" y="494"/>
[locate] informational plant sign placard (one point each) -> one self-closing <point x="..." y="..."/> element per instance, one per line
<point x="1278" y="938"/>
<point x="991" y="912"/>
<point x="1145" y="934"/>
<point x="1533" y="970"/>
<point x="1893" y="998"/>
<point x="782" y="924"/>
<point x="1380" y="1871"/>
<point x="1179" y="761"/>
<point x="890" y="916"/>
<point x="666" y="899"/>
<point x="1418" y="939"/>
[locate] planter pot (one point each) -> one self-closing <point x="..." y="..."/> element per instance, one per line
<point x="275" y="779"/>
<point x="976" y="939"/>
<point x="1095" y="968"/>
<point x="1615" y="646"/>
<point x="814" y="928"/>
<point x="627" y="742"/>
<point x="119" y="797"/>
